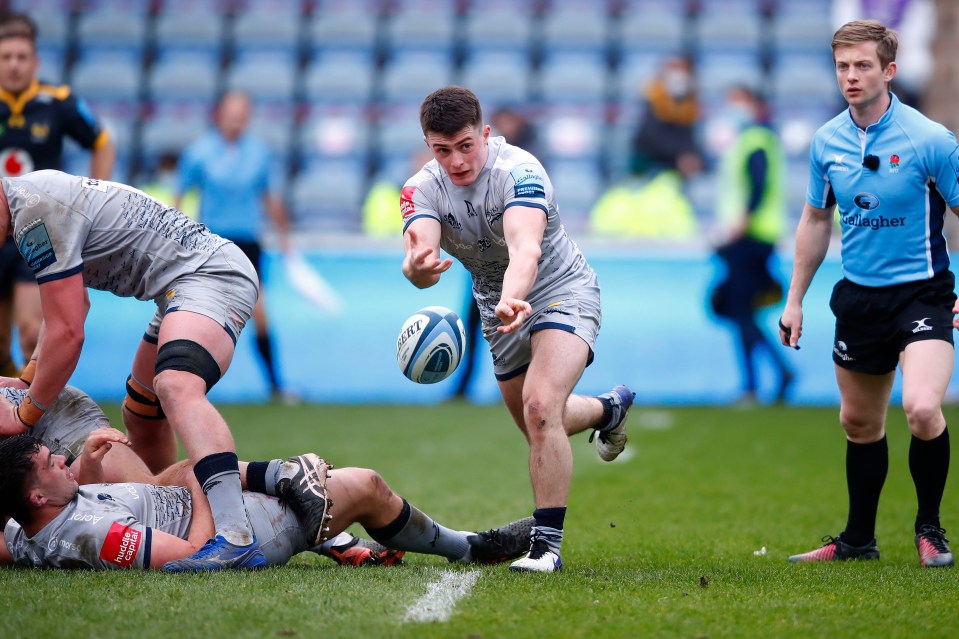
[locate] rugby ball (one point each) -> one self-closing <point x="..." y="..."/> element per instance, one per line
<point x="429" y="347"/>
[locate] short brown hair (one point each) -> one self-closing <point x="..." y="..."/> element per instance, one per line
<point x="449" y="110"/>
<point x="17" y="25"/>
<point x="857" y="31"/>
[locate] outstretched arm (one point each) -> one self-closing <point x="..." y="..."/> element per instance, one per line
<point x="422" y="265"/>
<point x="523" y="228"/>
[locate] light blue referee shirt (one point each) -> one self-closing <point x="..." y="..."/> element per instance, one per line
<point x="892" y="217"/>
<point x="232" y="179"/>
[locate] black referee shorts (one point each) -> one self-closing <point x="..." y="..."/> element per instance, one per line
<point x="874" y="324"/>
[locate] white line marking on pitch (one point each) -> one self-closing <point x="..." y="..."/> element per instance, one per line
<point x="441" y="596"/>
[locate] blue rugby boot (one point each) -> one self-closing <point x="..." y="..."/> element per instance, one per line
<point x="219" y="554"/>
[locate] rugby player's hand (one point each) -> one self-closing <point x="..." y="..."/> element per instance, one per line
<point x="955" y="311"/>
<point x="422" y="265"/>
<point x="12" y="382"/>
<point x="99" y="443"/>
<point x="790" y="326"/>
<point x="512" y="312"/>
<point x="10" y="423"/>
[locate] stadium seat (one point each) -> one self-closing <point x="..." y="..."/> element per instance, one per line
<point x="334" y="132"/>
<point x="194" y="27"/>
<point x="574" y="27"/>
<point x="497" y="77"/>
<point x="266" y="31"/>
<point x="647" y="30"/>
<point x="795" y="31"/>
<point x="344" y="26"/>
<point x="184" y="75"/>
<point x="427" y="28"/>
<point x="107" y="77"/>
<point x="327" y="198"/>
<point x="51" y="64"/>
<point x="573" y="77"/>
<point x="731" y="30"/>
<point x="717" y="72"/>
<point x="112" y="32"/>
<point x="498" y="28"/>
<point x="576" y="187"/>
<point x="807" y="78"/>
<point x="171" y="132"/>
<point x="409" y="78"/>
<point x="272" y="123"/>
<point x="340" y="76"/>
<point x="398" y="136"/>
<point x="634" y="72"/>
<point x="263" y="78"/>
<point x="53" y="27"/>
<point x="568" y="133"/>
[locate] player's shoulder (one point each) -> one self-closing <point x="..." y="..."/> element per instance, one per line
<point x="832" y="128"/>
<point x="428" y="176"/>
<point x="919" y="128"/>
<point x="53" y="92"/>
<point x="508" y="159"/>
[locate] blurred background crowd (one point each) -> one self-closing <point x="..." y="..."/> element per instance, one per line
<point x="605" y="92"/>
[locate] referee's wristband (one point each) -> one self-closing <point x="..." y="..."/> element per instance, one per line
<point x="29" y="412"/>
<point x="29" y="372"/>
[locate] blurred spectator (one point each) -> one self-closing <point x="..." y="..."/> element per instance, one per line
<point x="517" y="130"/>
<point x="239" y="185"/>
<point x="163" y="186"/>
<point x="752" y="214"/>
<point x="666" y="135"/>
<point x="35" y="117"/>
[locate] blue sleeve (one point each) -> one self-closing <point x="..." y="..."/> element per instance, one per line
<point x="188" y="170"/>
<point x="945" y="166"/>
<point x="819" y="192"/>
<point x="757" y="167"/>
<point x="79" y="122"/>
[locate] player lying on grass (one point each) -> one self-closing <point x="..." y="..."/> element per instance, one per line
<point x="56" y="523"/>
<point x="74" y="415"/>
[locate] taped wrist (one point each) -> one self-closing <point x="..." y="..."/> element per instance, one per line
<point x="142" y="401"/>
<point x="29" y="412"/>
<point x="29" y="372"/>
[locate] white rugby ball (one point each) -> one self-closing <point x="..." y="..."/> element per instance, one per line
<point x="430" y="345"/>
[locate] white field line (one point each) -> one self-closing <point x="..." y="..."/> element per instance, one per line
<point x="441" y="596"/>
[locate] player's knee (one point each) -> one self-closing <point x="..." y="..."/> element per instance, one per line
<point x="537" y="414"/>
<point x="375" y="487"/>
<point x="142" y="401"/>
<point x="923" y="412"/>
<point x="186" y="356"/>
<point x="858" y="426"/>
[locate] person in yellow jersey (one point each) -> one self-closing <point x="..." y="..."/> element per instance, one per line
<point x="751" y="210"/>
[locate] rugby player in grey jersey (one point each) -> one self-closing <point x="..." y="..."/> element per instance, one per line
<point x="58" y="524"/>
<point x="77" y="232"/>
<point x="490" y="205"/>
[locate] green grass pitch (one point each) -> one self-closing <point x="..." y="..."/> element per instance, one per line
<point x="661" y="544"/>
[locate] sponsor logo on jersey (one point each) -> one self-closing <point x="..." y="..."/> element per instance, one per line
<point x="121" y="545"/>
<point x="39" y="131"/>
<point x="874" y="223"/>
<point x="921" y="325"/>
<point x="527" y="182"/>
<point x="838" y="162"/>
<point x="88" y="518"/>
<point x="840" y="350"/>
<point x="867" y="201"/>
<point x="406" y="201"/>
<point x="450" y="219"/>
<point x="105" y="497"/>
<point x="96" y="185"/>
<point x="14" y="162"/>
<point x="35" y="246"/>
<point x="894" y="161"/>
<point x="54" y="544"/>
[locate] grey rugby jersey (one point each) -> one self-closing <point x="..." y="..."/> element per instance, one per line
<point x="106" y="526"/>
<point x="121" y="239"/>
<point x="472" y="221"/>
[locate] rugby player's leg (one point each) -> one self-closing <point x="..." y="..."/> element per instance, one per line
<point x="200" y="351"/>
<point x="862" y="413"/>
<point x="538" y="401"/>
<point x="926" y="370"/>
<point x="150" y="434"/>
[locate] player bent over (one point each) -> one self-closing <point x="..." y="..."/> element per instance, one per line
<point x="58" y="524"/>
<point x="491" y="206"/>
<point x="77" y="232"/>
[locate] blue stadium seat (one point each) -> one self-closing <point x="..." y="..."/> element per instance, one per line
<point x="409" y="78"/>
<point x="340" y="76"/>
<point x="634" y="72"/>
<point x="804" y="31"/>
<point x="170" y="131"/>
<point x="273" y="123"/>
<point x="267" y="31"/>
<point x="570" y="133"/>
<point x="53" y="28"/>
<point x="345" y="26"/>
<point x="263" y="78"/>
<point x="498" y="27"/>
<point x="717" y="72"/>
<point x="184" y="75"/>
<point x="805" y="78"/>
<point x="51" y="64"/>
<point x="428" y="28"/>
<point x="497" y="77"/>
<point x="577" y="186"/>
<point x="194" y="27"/>
<point x="574" y="27"/>
<point x="112" y="32"/>
<point x="328" y="198"/>
<point x="334" y="132"/>
<point x="646" y="30"/>
<point x="398" y="136"/>
<point x="728" y="31"/>
<point x="573" y="77"/>
<point x="107" y="77"/>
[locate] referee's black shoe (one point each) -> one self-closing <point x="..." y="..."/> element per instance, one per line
<point x="835" y="549"/>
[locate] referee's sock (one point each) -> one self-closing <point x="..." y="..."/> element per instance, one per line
<point x="866" y="469"/>
<point x="929" y="466"/>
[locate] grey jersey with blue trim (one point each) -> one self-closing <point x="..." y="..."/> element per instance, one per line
<point x="121" y="239"/>
<point x="472" y="221"/>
